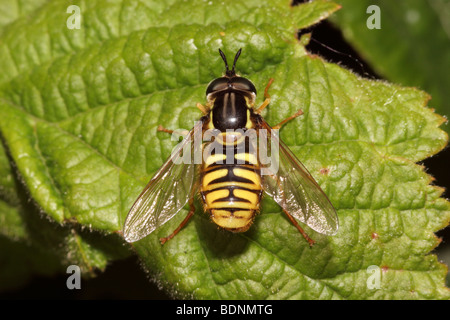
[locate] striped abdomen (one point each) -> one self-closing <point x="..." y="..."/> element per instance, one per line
<point x="231" y="184"/>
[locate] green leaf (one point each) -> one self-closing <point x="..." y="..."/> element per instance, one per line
<point x="13" y="10"/>
<point x="31" y="244"/>
<point x="411" y="46"/>
<point x="80" y="110"/>
<point x="384" y="202"/>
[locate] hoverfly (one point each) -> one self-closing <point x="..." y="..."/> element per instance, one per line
<point x="231" y="192"/>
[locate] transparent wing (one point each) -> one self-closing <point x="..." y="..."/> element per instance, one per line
<point x="167" y="192"/>
<point x="290" y="184"/>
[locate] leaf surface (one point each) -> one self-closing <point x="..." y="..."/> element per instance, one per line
<point x="80" y="110"/>
<point x="409" y="48"/>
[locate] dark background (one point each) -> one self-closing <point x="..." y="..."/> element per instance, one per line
<point x="126" y="280"/>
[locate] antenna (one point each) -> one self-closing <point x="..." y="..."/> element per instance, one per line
<point x="224" y="58"/>
<point x="235" y="59"/>
<point x="230" y="73"/>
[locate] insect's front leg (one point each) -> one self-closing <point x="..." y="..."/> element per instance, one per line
<point x="266" y="98"/>
<point x="181" y="132"/>
<point x="204" y="109"/>
<point x="266" y="103"/>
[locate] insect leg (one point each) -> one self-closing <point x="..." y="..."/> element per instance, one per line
<point x="162" y="129"/>
<point x="266" y="97"/>
<point x="203" y="109"/>
<point x="294" y="222"/>
<point x="181" y="132"/>
<point x="183" y="223"/>
<point x="295" y="115"/>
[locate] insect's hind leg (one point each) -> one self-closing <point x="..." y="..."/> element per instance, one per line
<point x="182" y="224"/>
<point x="304" y="234"/>
<point x="311" y="242"/>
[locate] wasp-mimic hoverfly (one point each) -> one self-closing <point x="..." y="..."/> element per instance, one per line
<point x="231" y="183"/>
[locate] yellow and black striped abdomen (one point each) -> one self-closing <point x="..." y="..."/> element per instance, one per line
<point x="231" y="185"/>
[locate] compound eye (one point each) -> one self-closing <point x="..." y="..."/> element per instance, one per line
<point x="217" y="85"/>
<point x="244" y="84"/>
